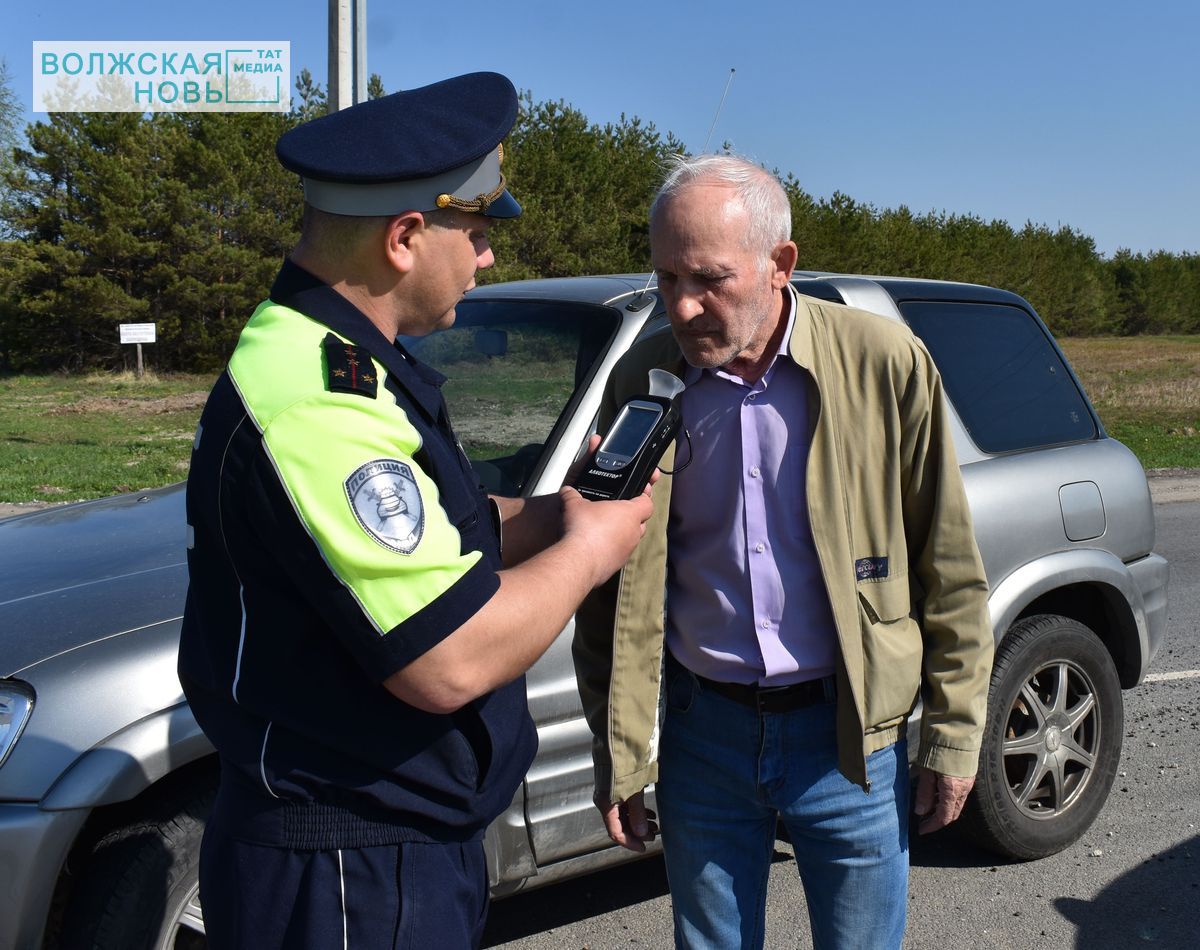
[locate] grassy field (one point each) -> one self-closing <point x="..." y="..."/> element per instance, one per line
<point x="1147" y="391"/>
<point x="67" y="438"/>
<point x="64" y="438"/>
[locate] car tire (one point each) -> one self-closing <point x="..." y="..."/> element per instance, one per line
<point x="1052" y="740"/>
<point x="140" y="889"/>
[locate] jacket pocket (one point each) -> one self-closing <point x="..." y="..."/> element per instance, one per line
<point x="885" y="600"/>
<point x="892" y="650"/>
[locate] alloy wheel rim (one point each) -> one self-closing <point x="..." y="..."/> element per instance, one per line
<point x="1051" y="740"/>
<point x="187" y="926"/>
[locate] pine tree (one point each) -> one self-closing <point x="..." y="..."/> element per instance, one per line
<point x="10" y="137"/>
<point x="180" y="220"/>
<point x="585" y="190"/>
<point x="83" y="202"/>
<point x="236" y="213"/>
<point x="312" y="101"/>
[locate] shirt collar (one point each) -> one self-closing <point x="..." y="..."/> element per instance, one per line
<point x="300" y="290"/>
<point x="791" y="322"/>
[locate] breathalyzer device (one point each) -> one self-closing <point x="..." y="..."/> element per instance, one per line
<point x="635" y="443"/>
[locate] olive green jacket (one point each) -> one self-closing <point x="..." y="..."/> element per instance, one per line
<point x="883" y="481"/>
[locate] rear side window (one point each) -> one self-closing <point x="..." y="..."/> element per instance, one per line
<point x="1004" y="376"/>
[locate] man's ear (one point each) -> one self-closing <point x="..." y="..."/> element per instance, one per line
<point x="399" y="237"/>
<point x="784" y="258"/>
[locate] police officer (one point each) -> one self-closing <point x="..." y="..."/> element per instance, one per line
<point x="354" y="641"/>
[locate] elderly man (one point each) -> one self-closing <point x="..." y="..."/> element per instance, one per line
<point x="354" y="641"/>
<point x="820" y="573"/>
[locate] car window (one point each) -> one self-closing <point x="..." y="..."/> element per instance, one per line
<point x="511" y="370"/>
<point x="1005" y="377"/>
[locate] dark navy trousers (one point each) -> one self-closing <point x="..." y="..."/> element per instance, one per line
<point x="411" y="895"/>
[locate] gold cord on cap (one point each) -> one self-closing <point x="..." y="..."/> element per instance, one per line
<point x="477" y="205"/>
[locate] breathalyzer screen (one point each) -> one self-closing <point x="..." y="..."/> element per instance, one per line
<point x="628" y="435"/>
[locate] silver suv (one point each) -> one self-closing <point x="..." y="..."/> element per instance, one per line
<point x="105" y="778"/>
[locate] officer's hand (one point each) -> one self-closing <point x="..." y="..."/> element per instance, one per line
<point x="940" y="798"/>
<point x="584" y="459"/>
<point x="629" y="823"/>
<point x="606" y="531"/>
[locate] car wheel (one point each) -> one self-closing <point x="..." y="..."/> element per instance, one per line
<point x="1052" y="741"/>
<point x="140" y="890"/>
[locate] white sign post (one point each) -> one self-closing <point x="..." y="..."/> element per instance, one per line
<point x="138" y="333"/>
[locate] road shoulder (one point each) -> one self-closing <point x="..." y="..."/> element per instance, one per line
<point x="1169" y="485"/>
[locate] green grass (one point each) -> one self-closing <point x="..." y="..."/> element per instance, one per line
<point x="1147" y="391"/>
<point x="64" y="438"/>
<point x="68" y="438"/>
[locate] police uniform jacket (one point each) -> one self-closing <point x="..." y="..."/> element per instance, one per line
<point x="337" y="533"/>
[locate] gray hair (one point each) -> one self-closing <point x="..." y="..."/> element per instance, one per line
<point x="756" y="189"/>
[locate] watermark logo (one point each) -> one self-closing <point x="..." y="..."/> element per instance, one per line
<point x="162" y="76"/>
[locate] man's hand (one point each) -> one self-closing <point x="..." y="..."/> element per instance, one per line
<point x="940" y="798"/>
<point x="629" y="824"/>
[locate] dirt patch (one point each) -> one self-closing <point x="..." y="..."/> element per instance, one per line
<point x="481" y="427"/>
<point x="182" y="402"/>
<point x="11" y="509"/>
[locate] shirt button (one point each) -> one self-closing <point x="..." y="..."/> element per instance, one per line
<point x="760" y="547"/>
<point x="766" y="625"/>
<point x="754" y="471"/>
<point x="752" y="396"/>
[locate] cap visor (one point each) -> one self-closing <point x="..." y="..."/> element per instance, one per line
<point x="504" y="206"/>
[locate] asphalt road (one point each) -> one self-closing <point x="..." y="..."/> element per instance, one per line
<point x="1132" y="881"/>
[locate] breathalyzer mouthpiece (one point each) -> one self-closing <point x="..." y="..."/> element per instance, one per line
<point x="664" y="384"/>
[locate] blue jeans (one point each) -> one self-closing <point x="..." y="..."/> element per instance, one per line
<point x="727" y="773"/>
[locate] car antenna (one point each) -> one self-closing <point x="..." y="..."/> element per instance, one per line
<point x="638" y="301"/>
<point x="720" y="105"/>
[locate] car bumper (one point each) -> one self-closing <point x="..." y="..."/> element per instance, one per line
<point x="33" y="847"/>
<point x="1150" y="575"/>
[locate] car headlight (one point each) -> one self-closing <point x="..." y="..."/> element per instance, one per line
<point x="16" y="703"/>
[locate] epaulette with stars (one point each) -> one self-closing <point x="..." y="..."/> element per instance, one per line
<point x="349" y="368"/>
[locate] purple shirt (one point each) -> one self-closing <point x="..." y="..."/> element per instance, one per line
<point x="746" y="601"/>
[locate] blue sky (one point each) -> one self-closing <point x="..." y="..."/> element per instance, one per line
<point x="1055" y="111"/>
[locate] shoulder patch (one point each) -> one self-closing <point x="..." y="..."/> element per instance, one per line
<point x="385" y="499"/>
<point x="349" y="368"/>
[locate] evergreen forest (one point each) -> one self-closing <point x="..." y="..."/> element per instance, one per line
<point x="182" y="220"/>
